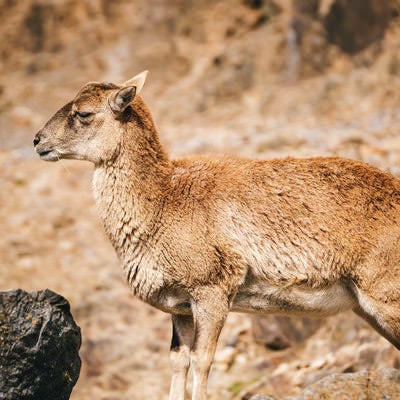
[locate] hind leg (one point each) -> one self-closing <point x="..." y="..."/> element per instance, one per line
<point x="384" y="317"/>
<point x="376" y="286"/>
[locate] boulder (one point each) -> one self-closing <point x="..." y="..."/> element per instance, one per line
<point x="39" y="344"/>
<point x="355" y="24"/>
<point x="383" y="384"/>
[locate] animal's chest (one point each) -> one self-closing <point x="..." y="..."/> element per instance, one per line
<point x="152" y="283"/>
<point x="141" y="269"/>
<point x="151" y="268"/>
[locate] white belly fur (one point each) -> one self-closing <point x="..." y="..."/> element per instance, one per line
<point x="261" y="297"/>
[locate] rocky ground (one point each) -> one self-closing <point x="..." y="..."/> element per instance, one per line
<point x="225" y="77"/>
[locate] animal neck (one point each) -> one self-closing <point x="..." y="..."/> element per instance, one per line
<point x="129" y="190"/>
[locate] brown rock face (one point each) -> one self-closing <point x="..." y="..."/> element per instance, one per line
<point x="378" y="385"/>
<point x="383" y="384"/>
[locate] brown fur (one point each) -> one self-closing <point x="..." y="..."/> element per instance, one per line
<point x="201" y="236"/>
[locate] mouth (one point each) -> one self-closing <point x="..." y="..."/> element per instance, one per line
<point x="48" y="155"/>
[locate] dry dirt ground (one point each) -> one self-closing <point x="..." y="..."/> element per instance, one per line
<point x="51" y="236"/>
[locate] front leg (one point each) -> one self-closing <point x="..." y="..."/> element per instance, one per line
<point x="210" y="309"/>
<point x="182" y="340"/>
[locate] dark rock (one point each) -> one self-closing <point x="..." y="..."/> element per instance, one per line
<point x="355" y="24"/>
<point x="39" y="344"/>
<point x="279" y="332"/>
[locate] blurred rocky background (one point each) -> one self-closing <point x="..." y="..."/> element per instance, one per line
<point x="258" y="78"/>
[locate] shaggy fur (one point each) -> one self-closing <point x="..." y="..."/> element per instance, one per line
<point x="202" y="236"/>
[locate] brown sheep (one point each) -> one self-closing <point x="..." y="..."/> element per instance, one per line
<point x="201" y="236"/>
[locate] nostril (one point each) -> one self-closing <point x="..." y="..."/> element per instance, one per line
<point x="36" y="141"/>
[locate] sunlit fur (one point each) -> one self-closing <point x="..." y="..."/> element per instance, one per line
<point x="201" y="236"/>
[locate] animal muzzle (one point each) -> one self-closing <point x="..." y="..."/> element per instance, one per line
<point x="45" y="152"/>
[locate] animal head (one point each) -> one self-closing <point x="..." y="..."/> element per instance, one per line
<point x="88" y="127"/>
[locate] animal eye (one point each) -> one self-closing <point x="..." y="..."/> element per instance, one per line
<point x="82" y="114"/>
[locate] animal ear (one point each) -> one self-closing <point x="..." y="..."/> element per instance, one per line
<point x="120" y="100"/>
<point x="137" y="81"/>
